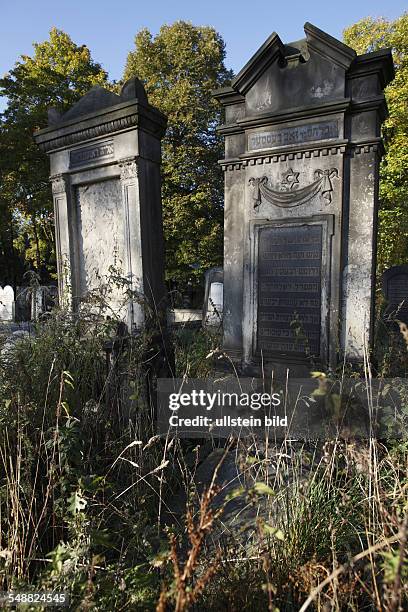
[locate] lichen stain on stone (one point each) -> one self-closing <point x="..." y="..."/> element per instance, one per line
<point x="101" y="234"/>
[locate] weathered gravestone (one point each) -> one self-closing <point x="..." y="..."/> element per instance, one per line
<point x="105" y="172"/>
<point x="43" y="298"/>
<point x="302" y="150"/>
<point x="213" y="297"/>
<point x="395" y="290"/>
<point x="6" y="303"/>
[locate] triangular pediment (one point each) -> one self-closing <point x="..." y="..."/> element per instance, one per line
<point x="328" y="47"/>
<point x="272" y="49"/>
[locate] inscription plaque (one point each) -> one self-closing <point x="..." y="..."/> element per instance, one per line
<point x="90" y="154"/>
<point x="289" y="290"/>
<point x="280" y="137"/>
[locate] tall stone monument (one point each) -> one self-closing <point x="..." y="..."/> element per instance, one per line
<point x="105" y="172"/>
<point x="302" y="151"/>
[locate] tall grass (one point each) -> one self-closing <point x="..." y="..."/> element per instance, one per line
<point x="86" y="492"/>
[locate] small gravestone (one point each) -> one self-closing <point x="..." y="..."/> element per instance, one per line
<point x="105" y="155"/>
<point x="302" y="152"/>
<point x="213" y="297"/>
<point x="23" y="304"/>
<point x="395" y="290"/>
<point x="7" y="303"/>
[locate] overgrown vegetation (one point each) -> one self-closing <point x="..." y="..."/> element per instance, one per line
<point x="87" y="493"/>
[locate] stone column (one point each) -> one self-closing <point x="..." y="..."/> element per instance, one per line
<point x="233" y="261"/>
<point x="63" y="238"/>
<point x="359" y="273"/>
<point x="131" y="213"/>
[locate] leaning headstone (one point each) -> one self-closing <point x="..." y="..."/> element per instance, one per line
<point x="105" y="173"/>
<point x="213" y="297"/>
<point x="23" y="304"/>
<point x="395" y="290"/>
<point x="7" y="303"/>
<point x="302" y="154"/>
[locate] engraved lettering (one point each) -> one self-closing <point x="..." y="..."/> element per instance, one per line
<point x="89" y="154"/>
<point x="289" y="289"/>
<point x="324" y="130"/>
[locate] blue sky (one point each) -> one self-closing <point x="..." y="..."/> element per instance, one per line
<point x="108" y="27"/>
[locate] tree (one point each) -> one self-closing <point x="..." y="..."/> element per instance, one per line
<point x="369" y="35"/>
<point x="180" y="67"/>
<point x="57" y="75"/>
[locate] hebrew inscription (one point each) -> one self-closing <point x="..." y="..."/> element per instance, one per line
<point x="281" y="137"/>
<point x="78" y="157"/>
<point x="289" y="290"/>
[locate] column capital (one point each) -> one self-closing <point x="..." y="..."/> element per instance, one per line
<point x="58" y="183"/>
<point x="128" y="168"/>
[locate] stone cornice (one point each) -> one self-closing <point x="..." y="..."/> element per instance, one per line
<point x="299" y="112"/>
<point x="115" y="119"/>
<point x="367" y="146"/>
<point x="322" y="149"/>
<point x="228" y="96"/>
<point x="254" y="159"/>
<point x="377" y="103"/>
<point x="377" y="62"/>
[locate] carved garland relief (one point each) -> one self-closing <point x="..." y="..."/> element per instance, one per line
<point x="289" y="197"/>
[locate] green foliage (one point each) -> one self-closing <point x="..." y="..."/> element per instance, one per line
<point x="180" y="67"/>
<point x="194" y="351"/>
<point x="65" y="418"/>
<point x="370" y="35"/>
<point x="57" y="75"/>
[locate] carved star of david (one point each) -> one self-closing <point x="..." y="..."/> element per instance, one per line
<point x="290" y="179"/>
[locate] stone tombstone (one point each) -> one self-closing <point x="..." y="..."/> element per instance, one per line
<point x="23" y="304"/>
<point x="105" y="154"/>
<point x="213" y="297"/>
<point x="302" y="150"/>
<point x="7" y="303"/>
<point x="43" y="298"/>
<point x="395" y="290"/>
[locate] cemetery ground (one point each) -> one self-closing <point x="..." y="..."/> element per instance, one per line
<point x="87" y="490"/>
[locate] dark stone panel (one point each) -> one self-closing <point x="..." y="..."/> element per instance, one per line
<point x="289" y="290"/>
<point x="395" y="288"/>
